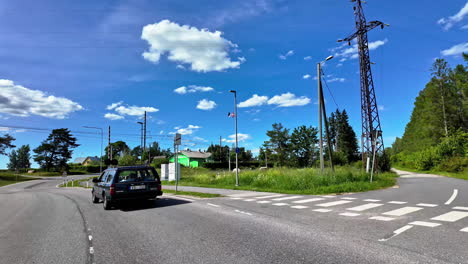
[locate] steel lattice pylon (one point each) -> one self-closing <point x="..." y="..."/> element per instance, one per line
<point x="371" y="131"/>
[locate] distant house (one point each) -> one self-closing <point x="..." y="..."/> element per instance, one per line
<point x="192" y="159"/>
<point x="86" y="161"/>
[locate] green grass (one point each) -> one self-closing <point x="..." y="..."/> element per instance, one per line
<point x="459" y="175"/>
<point x="293" y="181"/>
<point x="76" y="183"/>
<point x="7" y="178"/>
<point x="196" y="194"/>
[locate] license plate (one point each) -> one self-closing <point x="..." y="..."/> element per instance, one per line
<point x="138" y="187"/>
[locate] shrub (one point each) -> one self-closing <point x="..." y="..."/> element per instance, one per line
<point x="454" y="164"/>
<point x="426" y="159"/>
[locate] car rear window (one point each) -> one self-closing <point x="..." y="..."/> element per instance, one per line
<point x="137" y="175"/>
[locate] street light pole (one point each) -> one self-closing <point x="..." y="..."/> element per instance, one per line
<point x="102" y="138"/>
<point x="141" y="138"/>
<point x="237" y="144"/>
<point x="320" y="112"/>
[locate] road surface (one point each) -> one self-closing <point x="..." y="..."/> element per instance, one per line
<point x="423" y="220"/>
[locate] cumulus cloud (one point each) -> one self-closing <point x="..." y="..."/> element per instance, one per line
<point x="255" y="100"/>
<point x="456" y="50"/>
<point x="345" y="52"/>
<point x="240" y="138"/>
<point x="450" y="21"/>
<point x="285" y="56"/>
<point x="308" y="58"/>
<point x="113" y="116"/>
<point x="336" y="79"/>
<point x="186" y="130"/>
<point x="193" y="89"/>
<point x="307" y="76"/>
<point x="17" y="100"/>
<point x="288" y="100"/>
<point x="203" y="50"/>
<point x="206" y="104"/>
<point x="123" y="110"/>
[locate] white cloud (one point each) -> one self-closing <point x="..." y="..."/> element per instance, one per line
<point x="114" y="105"/>
<point x="336" y="79"/>
<point x="17" y="100"/>
<point x="135" y="110"/>
<point x="204" y="50"/>
<point x="240" y="138"/>
<point x="450" y="21"/>
<point x="206" y="104"/>
<point x="255" y="100"/>
<point x="307" y="76"/>
<point x="456" y="50"/>
<point x="381" y="107"/>
<point x="308" y="58"/>
<point x="288" y="100"/>
<point x="464" y="27"/>
<point x="345" y="52"/>
<point x="113" y="116"/>
<point x="181" y="67"/>
<point x="187" y="130"/>
<point x="339" y="65"/>
<point x="193" y="89"/>
<point x="200" y="139"/>
<point x="285" y="56"/>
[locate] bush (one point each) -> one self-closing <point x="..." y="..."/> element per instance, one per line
<point x="384" y="162"/>
<point x="426" y="159"/>
<point x="157" y="162"/>
<point x="339" y="158"/>
<point x="225" y="165"/>
<point x="454" y="164"/>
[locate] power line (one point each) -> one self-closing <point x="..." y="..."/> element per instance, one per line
<point x="326" y="84"/>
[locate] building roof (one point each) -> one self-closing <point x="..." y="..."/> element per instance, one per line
<point x="196" y="154"/>
<point x="93" y="158"/>
<point x="82" y="159"/>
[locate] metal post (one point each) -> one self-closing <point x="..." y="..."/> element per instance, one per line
<point x="144" y="135"/>
<point x="109" y="152"/>
<point x="319" y="80"/>
<point x="330" y="151"/>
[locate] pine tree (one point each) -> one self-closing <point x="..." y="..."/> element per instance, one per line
<point x="279" y="143"/>
<point x="342" y="135"/>
<point x="56" y="150"/>
<point x="13" y="163"/>
<point x="24" y="157"/>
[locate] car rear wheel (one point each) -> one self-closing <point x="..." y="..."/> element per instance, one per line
<point x="94" y="198"/>
<point x="106" y="204"/>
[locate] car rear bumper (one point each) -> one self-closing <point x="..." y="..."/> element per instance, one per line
<point x="134" y="196"/>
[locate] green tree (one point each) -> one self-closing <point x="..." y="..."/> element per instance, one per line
<point x="303" y="142"/>
<point x="342" y="136"/>
<point x="128" y="160"/>
<point x="5" y="143"/>
<point x="24" y="157"/>
<point x="219" y="153"/>
<point x="56" y="150"/>
<point x="13" y="163"/>
<point x="119" y="148"/>
<point x="279" y="143"/>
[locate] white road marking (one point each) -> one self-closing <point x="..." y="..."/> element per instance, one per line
<point x="422" y="223"/>
<point x="329" y="196"/>
<point x="333" y="203"/>
<point x="350" y="214"/>
<point x="280" y="204"/>
<point x="90" y="237"/>
<point x="403" y="211"/>
<point x="236" y="198"/>
<point x="349" y="198"/>
<point x="309" y="200"/>
<point x="382" y="218"/>
<point x="427" y="205"/>
<point x="451" y="216"/>
<point x="364" y="207"/>
<point x="214" y="205"/>
<point x="454" y="195"/>
<point x="322" y="210"/>
<point x="397" y="232"/>
<point x="242" y="212"/>
<point x="460" y="208"/>
<point x="287" y="198"/>
<point x="371" y="200"/>
<point x="299" y="207"/>
<point x="263" y="202"/>
<point x="91" y="250"/>
<point x="249" y="200"/>
<point x="396" y="202"/>
<point x="270" y="196"/>
<point x="464" y="229"/>
<point x="182" y="198"/>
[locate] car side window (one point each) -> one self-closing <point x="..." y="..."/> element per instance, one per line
<point x="104" y="178"/>
<point x="110" y="175"/>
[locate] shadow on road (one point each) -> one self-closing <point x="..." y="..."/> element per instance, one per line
<point x="150" y="204"/>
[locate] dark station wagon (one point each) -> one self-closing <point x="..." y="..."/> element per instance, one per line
<point x="126" y="183"/>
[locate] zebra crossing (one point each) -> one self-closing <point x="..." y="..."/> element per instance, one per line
<point x="354" y="207"/>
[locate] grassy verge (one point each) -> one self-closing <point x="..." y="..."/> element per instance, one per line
<point x="54" y="173"/>
<point x="293" y="181"/>
<point x="10" y="178"/>
<point x="459" y="175"/>
<point x="76" y="183"/>
<point x="196" y="194"/>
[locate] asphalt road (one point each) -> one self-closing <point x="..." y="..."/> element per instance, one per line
<point x="423" y="220"/>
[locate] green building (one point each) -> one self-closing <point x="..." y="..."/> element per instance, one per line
<point x="192" y="159"/>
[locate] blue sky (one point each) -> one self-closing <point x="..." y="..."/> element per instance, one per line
<point x="100" y="63"/>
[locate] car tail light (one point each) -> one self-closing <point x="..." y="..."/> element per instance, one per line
<point x="112" y="189"/>
<point x="159" y="187"/>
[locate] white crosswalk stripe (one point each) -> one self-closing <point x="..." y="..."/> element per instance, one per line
<point x="322" y="210"/>
<point x="464" y="229"/>
<point x="280" y="204"/>
<point x="350" y="214"/>
<point x="382" y="218"/>
<point x="263" y="202"/>
<point x="396" y="202"/>
<point x="333" y="203"/>
<point x="349" y="198"/>
<point x="236" y="198"/>
<point x="249" y="200"/>
<point x="309" y="200"/>
<point x="403" y="211"/>
<point x="422" y="223"/>
<point x="452" y="216"/>
<point x="329" y="196"/>
<point x="371" y="200"/>
<point x="299" y="206"/>
<point x="364" y="207"/>
<point x="460" y="208"/>
<point x="427" y="205"/>
<point x="287" y="198"/>
<point x="270" y="196"/>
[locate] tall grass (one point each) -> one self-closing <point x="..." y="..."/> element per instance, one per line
<point x="286" y="180"/>
<point x="10" y="178"/>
